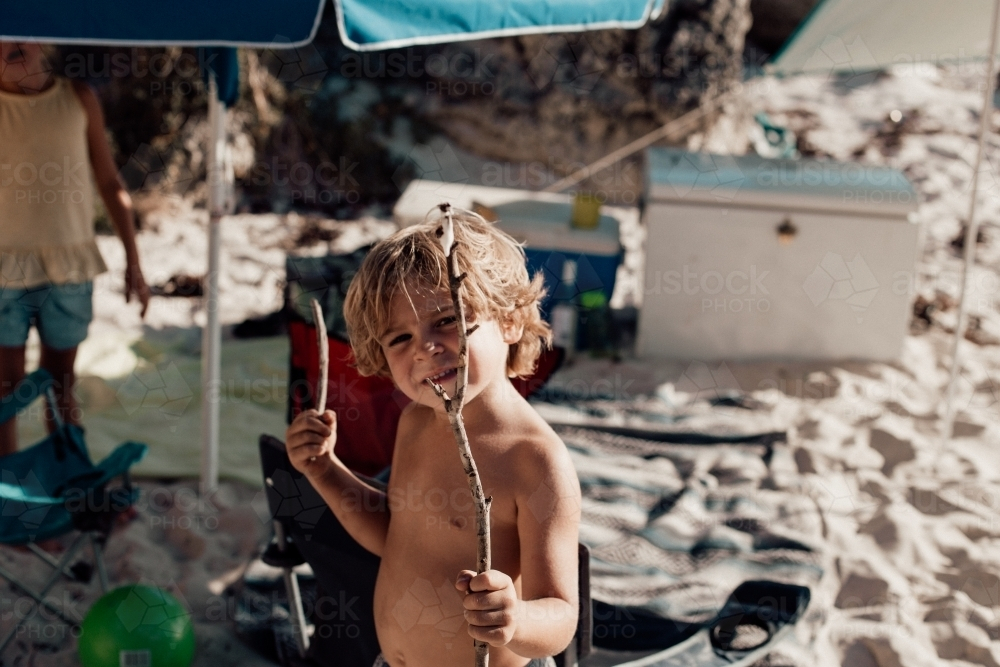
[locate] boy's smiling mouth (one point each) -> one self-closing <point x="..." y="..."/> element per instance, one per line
<point x="442" y="376"/>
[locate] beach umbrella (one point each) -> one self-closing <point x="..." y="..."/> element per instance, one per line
<point x="855" y="36"/>
<point x="364" y="25"/>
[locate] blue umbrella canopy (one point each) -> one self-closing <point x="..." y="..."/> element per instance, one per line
<point x="180" y="22"/>
<point x="364" y="25"/>
<point x="368" y="25"/>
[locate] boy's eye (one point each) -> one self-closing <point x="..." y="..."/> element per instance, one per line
<point x="399" y="339"/>
<point x="445" y="321"/>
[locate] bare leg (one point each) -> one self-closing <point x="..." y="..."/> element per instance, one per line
<point x="11" y="372"/>
<point x="59" y="364"/>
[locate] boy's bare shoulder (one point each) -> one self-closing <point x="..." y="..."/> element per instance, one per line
<point x="540" y="459"/>
<point x="534" y="439"/>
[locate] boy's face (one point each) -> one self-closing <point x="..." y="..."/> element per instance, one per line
<point x="422" y="342"/>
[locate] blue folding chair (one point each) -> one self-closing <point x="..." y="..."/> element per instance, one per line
<point x="53" y="488"/>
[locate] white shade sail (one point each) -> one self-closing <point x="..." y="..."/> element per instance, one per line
<point x="860" y="35"/>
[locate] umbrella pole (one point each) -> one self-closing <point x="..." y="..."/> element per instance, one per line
<point x="212" y="337"/>
<point x="972" y="229"/>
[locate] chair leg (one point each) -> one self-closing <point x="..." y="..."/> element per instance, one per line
<point x="102" y="571"/>
<point x="298" y="617"/>
<point x="294" y="598"/>
<point x="9" y="576"/>
<point x="40" y="596"/>
<point x="47" y="557"/>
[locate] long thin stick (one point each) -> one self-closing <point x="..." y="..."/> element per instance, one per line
<point x="971" y="231"/>
<point x="324" y="359"/>
<point x="453" y="406"/>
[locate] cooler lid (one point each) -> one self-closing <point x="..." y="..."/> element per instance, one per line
<point x="546" y="226"/>
<point x="538" y="219"/>
<point x="674" y="175"/>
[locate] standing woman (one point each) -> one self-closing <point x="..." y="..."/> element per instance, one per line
<point x="53" y="152"/>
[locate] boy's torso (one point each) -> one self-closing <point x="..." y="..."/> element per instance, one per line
<point x="432" y="537"/>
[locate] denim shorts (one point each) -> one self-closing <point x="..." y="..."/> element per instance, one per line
<point x="62" y="314"/>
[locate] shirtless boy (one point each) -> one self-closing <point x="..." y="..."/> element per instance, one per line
<point x="402" y="323"/>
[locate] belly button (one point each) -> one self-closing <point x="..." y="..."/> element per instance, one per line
<point x="458" y="522"/>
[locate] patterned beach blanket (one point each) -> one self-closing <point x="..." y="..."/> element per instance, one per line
<point x="676" y="521"/>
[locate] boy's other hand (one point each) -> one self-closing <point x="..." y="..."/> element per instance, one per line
<point x="491" y="605"/>
<point x="309" y="442"/>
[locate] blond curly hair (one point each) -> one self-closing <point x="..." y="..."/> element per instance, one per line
<point x="497" y="287"/>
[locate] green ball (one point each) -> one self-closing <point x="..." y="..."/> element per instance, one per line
<point x="136" y="626"/>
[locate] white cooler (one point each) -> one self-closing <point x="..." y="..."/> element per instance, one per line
<point x="749" y="258"/>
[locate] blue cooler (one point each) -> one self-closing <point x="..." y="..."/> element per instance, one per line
<point x="549" y="239"/>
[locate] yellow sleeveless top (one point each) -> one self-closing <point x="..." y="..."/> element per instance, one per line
<point x="46" y="190"/>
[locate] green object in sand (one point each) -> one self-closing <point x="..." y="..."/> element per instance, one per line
<point x="136" y="626"/>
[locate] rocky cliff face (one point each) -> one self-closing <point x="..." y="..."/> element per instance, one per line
<point x="325" y="128"/>
<point x="578" y="96"/>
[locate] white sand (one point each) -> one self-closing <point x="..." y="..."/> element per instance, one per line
<point x="910" y="530"/>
